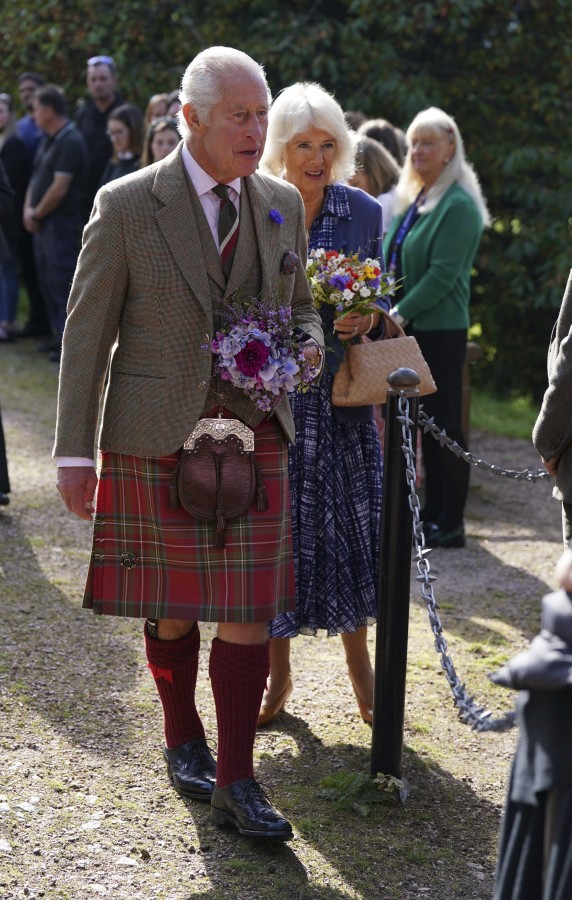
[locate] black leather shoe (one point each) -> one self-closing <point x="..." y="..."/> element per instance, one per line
<point x="192" y="769"/>
<point x="29" y="330"/>
<point x="49" y="345"/>
<point x="245" y="805"/>
<point x="4" y="499"/>
<point x="436" y="537"/>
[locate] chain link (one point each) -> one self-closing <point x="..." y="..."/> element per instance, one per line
<point x="469" y="712"/>
<point x="428" y="424"/>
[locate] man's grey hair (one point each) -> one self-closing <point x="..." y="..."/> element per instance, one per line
<point x="201" y="84"/>
<point x="298" y="108"/>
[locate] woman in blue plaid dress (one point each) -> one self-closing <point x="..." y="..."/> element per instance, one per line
<point x="335" y="466"/>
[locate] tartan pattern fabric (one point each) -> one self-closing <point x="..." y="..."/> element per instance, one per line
<point x="227" y="227"/>
<point x="336" y="206"/>
<point x="335" y="488"/>
<point x="151" y="561"/>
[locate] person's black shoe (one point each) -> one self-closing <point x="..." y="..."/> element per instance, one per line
<point x="29" y="330"/>
<point x="48" y="345"/>
<point x="4" y="499"/>
<point x="55" y="356"/>
<point x="245" y="805"/>
<point x="192" y="769"/>
<point x="436" y="537"/>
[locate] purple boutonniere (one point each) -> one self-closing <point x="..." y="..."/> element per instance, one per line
<point x="276" y="216"/>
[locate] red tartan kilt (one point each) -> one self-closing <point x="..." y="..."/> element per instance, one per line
<point x="149" y="561"/>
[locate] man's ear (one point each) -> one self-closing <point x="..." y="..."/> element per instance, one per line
<point x="191" y="116"/>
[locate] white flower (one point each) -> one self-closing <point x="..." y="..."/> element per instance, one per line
<point x="355" y="287"/>
<point x="348" y="295"/>
<point x="364" y="292"/>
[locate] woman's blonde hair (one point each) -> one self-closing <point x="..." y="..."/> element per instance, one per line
<point x="297" y="108"/>
<point x="434" y="122"/>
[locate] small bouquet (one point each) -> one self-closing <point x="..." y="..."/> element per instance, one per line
<point x="347" y="283"/>
<point x="259" y="353"/>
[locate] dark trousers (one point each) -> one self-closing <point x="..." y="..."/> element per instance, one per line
<point x="446" y="477"/>
<point x="56" y="248"/>
<point x="4" y="481"/>
<point x="38" y="319"/>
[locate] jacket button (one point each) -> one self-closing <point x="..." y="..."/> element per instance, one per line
<point x="202" y="386"/>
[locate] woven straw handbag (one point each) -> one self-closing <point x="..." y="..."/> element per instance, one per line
<point x="361" y="379"/>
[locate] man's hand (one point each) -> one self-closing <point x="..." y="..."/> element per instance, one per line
<point x="77" y="486"/>
<point x="30" y="223"/>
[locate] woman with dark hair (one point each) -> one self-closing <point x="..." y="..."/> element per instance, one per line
<point x="161" y="138"/>
<point x="387" y="135"/>
<point x="125" y="129"/>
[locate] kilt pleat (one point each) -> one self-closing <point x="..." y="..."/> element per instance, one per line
<point x="150" y="561"/>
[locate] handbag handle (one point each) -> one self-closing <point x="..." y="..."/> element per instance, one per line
<point x="395" y="327"/>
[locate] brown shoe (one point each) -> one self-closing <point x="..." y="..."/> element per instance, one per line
<point x="269" y="711"/>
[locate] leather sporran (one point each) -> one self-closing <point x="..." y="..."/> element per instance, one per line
<point x="361" y="379"/>
<point x="217" y="476"/>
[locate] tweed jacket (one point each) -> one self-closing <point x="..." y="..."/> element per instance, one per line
<point x="141" y="308"/>
<point x="552" y="432"/>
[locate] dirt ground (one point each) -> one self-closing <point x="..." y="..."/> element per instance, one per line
<point x="86" y="808"/>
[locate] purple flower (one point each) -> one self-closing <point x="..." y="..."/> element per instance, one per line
<point x="252" y="358"/>
<point x="276" y="216"/>
<point x="339" y="282"/>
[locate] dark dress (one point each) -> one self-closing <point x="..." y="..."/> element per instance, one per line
<point x="335" y="466"/>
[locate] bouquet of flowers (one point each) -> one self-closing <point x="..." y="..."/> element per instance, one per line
<point x="259" y="353"/>
<point x="347" y="283"/>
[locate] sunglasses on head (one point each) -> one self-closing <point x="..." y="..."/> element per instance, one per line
<point x="97" y="60"/>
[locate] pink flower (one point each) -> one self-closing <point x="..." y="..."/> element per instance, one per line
<point x="252" y="358"/>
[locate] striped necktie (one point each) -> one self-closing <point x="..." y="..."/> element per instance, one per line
<point x="227" y="228"/>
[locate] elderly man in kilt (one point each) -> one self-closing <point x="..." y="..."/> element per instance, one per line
<point x="163" y="251"/>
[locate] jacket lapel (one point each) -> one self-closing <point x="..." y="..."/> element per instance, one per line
<point x="266" y="232"/>
<point x="180" y="228"/>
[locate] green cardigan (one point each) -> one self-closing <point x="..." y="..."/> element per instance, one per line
<point x="436" y="259"/>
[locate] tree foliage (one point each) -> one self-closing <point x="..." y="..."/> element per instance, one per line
<point x="500" y="68"/>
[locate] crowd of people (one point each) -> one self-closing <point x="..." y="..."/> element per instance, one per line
<point x="56" y="162"/>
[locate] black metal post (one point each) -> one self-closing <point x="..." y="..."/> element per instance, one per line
<point x="394" y="586"/>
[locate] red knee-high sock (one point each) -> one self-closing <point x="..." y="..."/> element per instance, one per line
<point x="174" y="666"/>
<point x="238" y="675"/>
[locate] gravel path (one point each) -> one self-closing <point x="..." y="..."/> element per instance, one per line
<point x="85" y="805"/>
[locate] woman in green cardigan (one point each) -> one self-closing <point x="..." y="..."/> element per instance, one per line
<point x="440" y="216"/>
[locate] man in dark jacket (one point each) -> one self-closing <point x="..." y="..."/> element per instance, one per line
<point x="91" y="120"/>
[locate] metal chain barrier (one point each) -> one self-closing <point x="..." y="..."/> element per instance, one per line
<point x="469" y="712"/>
<point x="440" y="435"/>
